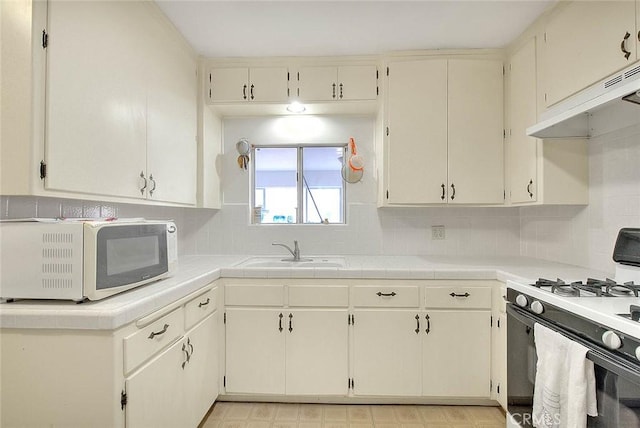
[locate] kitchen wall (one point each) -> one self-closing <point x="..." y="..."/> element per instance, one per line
<point x="369" y="230"/>
<point x="586" y="235"/>
<point x="578" y="235"/>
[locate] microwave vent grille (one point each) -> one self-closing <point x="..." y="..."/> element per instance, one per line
<point x="57" y="253"/>
<point x="57" y="283"/>
<point x="57" y="268"/>
<point x="57" y="238"/>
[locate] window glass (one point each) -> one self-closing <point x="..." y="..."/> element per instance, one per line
<point x="286" y="178"/>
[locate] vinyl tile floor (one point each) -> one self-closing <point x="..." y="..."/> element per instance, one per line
<point x="277" y="415"/>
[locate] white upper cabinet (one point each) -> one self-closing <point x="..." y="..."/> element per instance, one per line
<point x="342" y="83"/>
<point x="444" y="134"/>
<point x="417" y="143"/>
<point x="475" y="129"/>
<point x="522" y="150"/>
<point x="586" y="41"/>
<point x="96" y="112"/>
<point x="121" y="103"/>
<point x="244" y="84"/>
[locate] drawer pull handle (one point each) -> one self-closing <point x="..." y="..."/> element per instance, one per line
<point x="205" y="303"/>
<point x="280" y="322"/>
<point x="290" y="322"/>
<point x="163" y="331"/>
<point x="381" y="294"/>
<point x="417" y="330"/>
<point x="190" y="353"/>
<point x="428" y="324"/>
<point x="459" y="295"/>
<point x="623" y="48"/>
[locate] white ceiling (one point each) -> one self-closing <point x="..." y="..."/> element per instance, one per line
<point x="326" y="28"/>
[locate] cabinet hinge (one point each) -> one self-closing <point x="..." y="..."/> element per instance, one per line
<point x="209" y="77"/>
<point x="288" y="76"/>
<point x="491" y="318"/>
<point x="387" y="71"/>
<point x="224" y="381"/>
<point x="387" y="194"/>
<point x="377" y="74"/>
<point x="43" y="170"/>
<point x="377" y="91"/>
<point x="209" y="93"/>
<point x="224" y="318"/>
<point x="45" y="39"/>
<point x="298" y="76"/>
<point x="123" y="400"/>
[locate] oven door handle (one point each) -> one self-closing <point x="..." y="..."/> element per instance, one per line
<point x="601" y="357"/>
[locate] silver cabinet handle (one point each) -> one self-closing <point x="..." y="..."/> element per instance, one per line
<point x="154" y="185"/>
<point x="333" y="94"/>
<point x="205" y="303"/>
<point x="340" y="91"/>
<point x="417" y="330"/>
<point x="290" y="322"/>
<point x="623" y="46"/>
<point x="453" y="194"/>
<point x="145" y="182"/>
<point x="381" y="294"/>
<point x="459" y="295"/>
<point x="280" y="322"/>
<point x="158" y="333"/>
<point x="428" y="324"/>
<point x="529" y="189"/>
<point x="184" y="349"/>
<point x="443" y="187"/>
<point x="244" y="92"/>
<point x="251" y="91"/>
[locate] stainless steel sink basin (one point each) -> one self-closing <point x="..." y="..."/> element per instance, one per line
<point x="311" y="262"/>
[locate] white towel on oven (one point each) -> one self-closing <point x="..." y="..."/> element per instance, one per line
<point x="565" y="385"/>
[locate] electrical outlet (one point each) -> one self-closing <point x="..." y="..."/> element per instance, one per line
<point x="437" y="232"/>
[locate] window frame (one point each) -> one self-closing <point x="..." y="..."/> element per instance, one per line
<point x="300" y="185"/>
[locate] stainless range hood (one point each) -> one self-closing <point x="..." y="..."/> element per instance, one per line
<point x="570" y="118"/>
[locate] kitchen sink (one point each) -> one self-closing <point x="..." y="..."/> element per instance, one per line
<point x="310" y="262"/>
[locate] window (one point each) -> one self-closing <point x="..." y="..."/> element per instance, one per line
<point x="286" y="178"/>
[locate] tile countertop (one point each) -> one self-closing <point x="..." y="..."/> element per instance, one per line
<point x="195" y="272"/>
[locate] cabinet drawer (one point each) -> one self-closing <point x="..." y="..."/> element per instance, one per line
<point x="390" y="297"/>
<point x="458" y="297"/>
<point x="254" y="295"/>
<point x="311" y="296"/>
<point x="198" y="308"/>
<point x="144" y="343"/>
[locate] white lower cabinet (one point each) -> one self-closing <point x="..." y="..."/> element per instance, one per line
<point x="386" y="353"/>
<point x="286" y="351"/>
<point x="456" y="353"/>
<point x="255" y="351"/>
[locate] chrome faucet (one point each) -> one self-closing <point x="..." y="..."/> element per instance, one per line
<point x="295" y="252"/>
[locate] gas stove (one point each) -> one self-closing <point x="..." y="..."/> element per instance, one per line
<point x="591" y="287"/>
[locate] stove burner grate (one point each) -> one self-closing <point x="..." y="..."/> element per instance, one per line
<point x="593" y="287"/>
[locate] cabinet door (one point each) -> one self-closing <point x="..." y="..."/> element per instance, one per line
<point x="522" y="162"/>
<point x="171" y="120"/>
<point x="475" y="129"/>
<point x="499" y="359"/>
<point x="269" y="84"/>
<point x="228" y="84"/>
<point x="255" y="357"/>
<point x="416" y="150"/>
<point x="316" y="352"/>
<point x="456" y="354"/>
<point x="153" y="392"/>
<point x="95" y="138"/>
<point x="201" y="372"/>
<point x="318" y="83"/>
<point x="583" y="45"/>
<point x="386" y="353"/>
<point x="357" y="82"/>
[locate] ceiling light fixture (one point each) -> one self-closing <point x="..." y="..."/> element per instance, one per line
<point x="296" y="107"/>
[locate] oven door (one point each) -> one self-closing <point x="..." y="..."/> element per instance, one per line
<point x="617" y="380"/>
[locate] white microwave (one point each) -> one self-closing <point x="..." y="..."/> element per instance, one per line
<point x="78" y="260"/>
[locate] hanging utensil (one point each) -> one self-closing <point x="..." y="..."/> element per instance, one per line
<point x="353" y="165"/>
